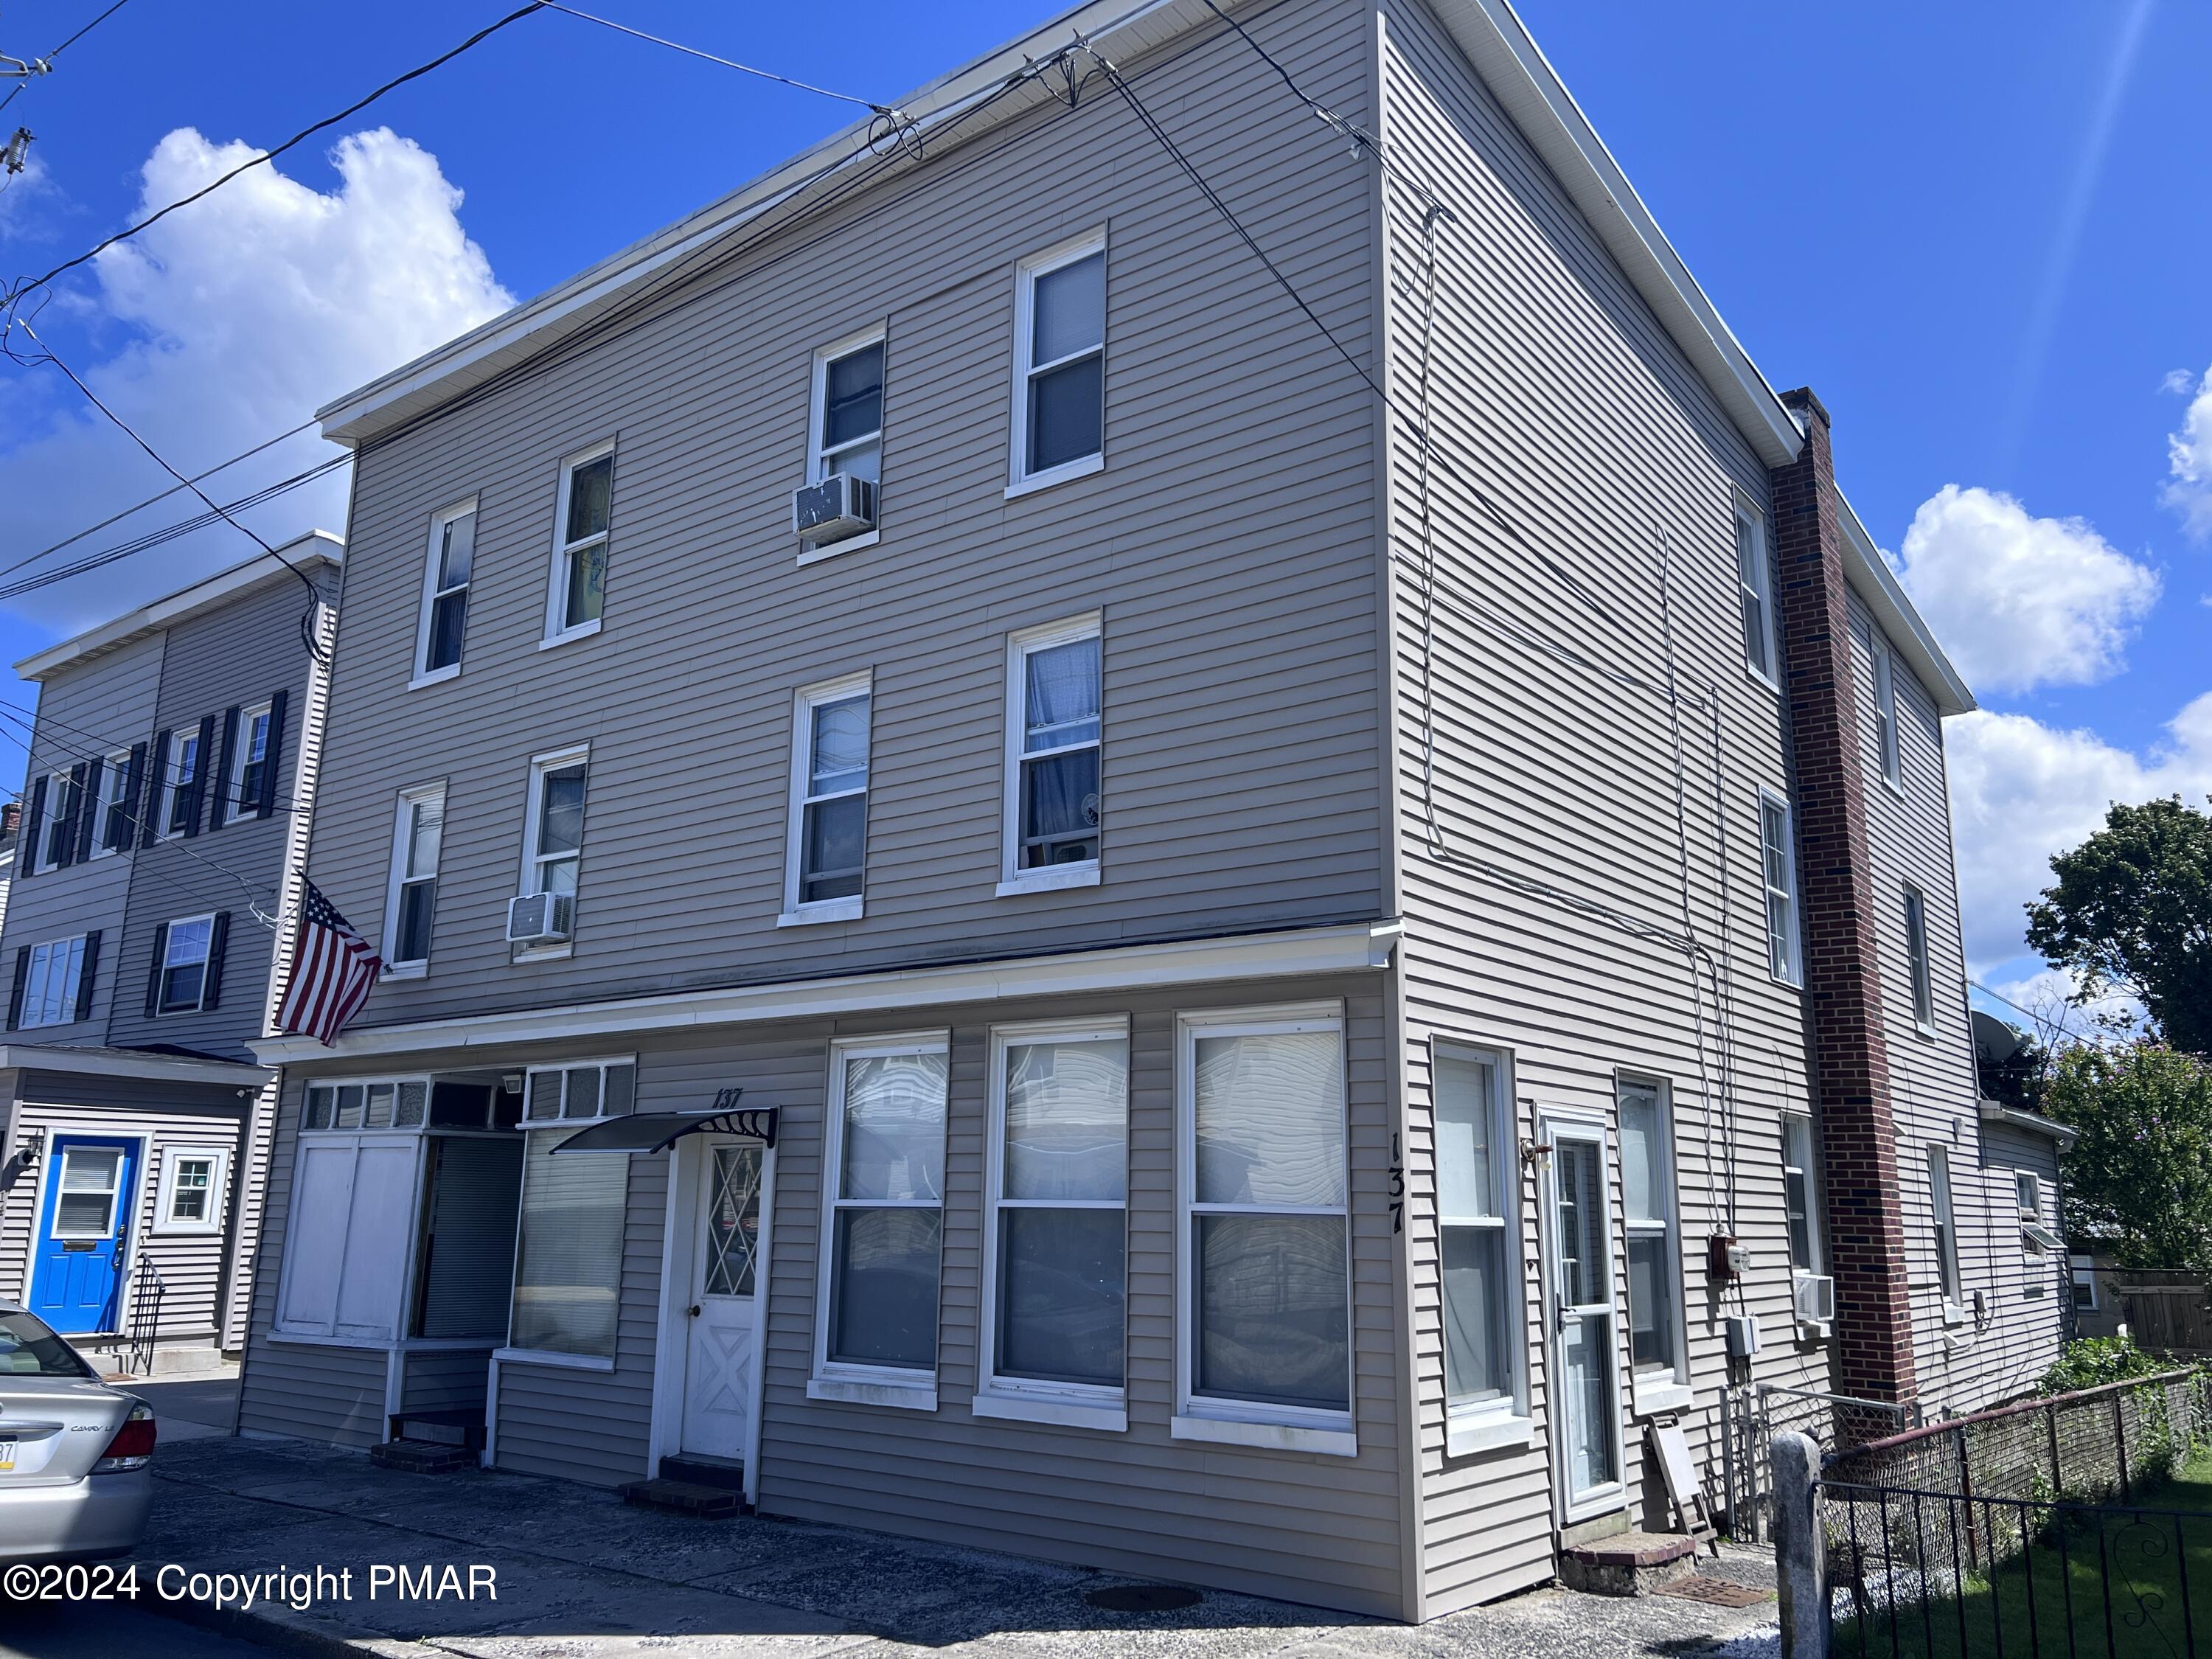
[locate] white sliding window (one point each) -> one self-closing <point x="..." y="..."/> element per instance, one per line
<point x="578" y="591"/>
<point x="1057" y="1223"/>
<point x="1059" y="363"/>
<point x="1055" y="808"/>
<point x="1477" y="1218"/>
<point x="411" y="903"/>
<point x="1778" y="854"/>
<point x="1658" y="1365"/>
<point x="884" y="1222"/>
<point x="826" y="845"/>
<point x="1755" y="588"/>
<point x="1265" y="1320"/>
<point x="443" y="629"/>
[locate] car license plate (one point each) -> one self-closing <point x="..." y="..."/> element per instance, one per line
<point x="7" y="1455"/>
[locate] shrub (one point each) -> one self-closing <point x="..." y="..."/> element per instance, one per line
<point x="2096" y="1360"/>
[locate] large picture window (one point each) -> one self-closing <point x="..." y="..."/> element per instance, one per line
<point x="1267" y="1304"/>
<point x="568" y="1260"/>
<point x="1479" y="1239"/>
<point x="1054" y="807"/>
<point x="884" y="1220"/>
<point x="1058" y="1192"/>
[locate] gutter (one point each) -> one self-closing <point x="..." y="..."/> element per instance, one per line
<point x="2034" y="1123"/>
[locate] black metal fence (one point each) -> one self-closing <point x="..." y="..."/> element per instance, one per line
<point x="1919" y="1574"/>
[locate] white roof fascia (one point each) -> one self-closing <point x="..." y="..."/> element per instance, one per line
<point x="1899" y="619"/>
<point x="316" y="550"/>
<point x="123" y="1062"/>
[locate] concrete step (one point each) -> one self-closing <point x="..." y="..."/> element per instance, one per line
<point x="463" y="1426"/>
<point x="703" y="1471"/>
<point x="422" y="1456"/>
<point x="1628" y="1563"/>
<point x="685" y="1497"/>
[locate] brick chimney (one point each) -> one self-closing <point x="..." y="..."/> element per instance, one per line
<point x="1872" y="1355"/>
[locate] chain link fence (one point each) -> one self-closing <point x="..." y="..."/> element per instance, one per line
<point x="1752" y="1414"/>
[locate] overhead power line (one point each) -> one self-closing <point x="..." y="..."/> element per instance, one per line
<point x="38" y="66"/>
<point x="726" y="63"/>
<point x="16" y="293"/>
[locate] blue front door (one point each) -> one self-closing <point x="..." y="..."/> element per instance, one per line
<point x="77" y="1275"/>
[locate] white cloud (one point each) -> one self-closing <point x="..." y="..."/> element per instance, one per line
<point x="2020" y="601"/>
<point x="2021" y="791"/>
<point x="2047" y="994"/>
<point x="236" y="317"/>
<point x="2179" y="382"/>
<point x="2188" y="458"/>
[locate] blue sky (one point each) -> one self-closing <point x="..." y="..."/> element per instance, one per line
<point x="1979" y="232"/>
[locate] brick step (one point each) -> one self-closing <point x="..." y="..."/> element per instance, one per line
<point x="422" y="1456"/>
<point x="703" y="1471"/>
<point x="686" y="1498"/>
<point x="1628" y="1563"/>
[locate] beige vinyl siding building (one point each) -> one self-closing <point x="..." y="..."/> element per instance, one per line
<point x="1410" y="962"/>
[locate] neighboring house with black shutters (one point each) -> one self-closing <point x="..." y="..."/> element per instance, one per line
<point x="163" y="817"/>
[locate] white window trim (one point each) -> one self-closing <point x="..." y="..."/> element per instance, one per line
<point x="1052" y="878"/>
<point x="526" y="1123"/>
<point x="1796" y="977"/>
<point x="1744" y="512"/>
<point x="1888" y="742"/>
<point x="816" y="418"/>
<point x="796" y="913"/>
<point x="403" y="818"/>
<point x="439" y="521"/>
<point x="397" y="1080"/>
<point x="227" y="807"/>
<point x="1020" y="481"/>
<point x="557" y="583"/>
<point x="75" y="989"/>
<point x="1815" y="1236"/>
<point x="1919" y="961"/>
<point x="58" y="785"/>
<point x="114" y="773"/>
<point x="1251" y="1423"/>
<point x="2081" y="1275"/>
<point x="1078" y="1404"/>
<point x="906" y="1388"/>
<point x="1943" y="1209"/>
<point x="167" y="1226"/>
<point x="533" y="809"/>
<point x="1654" y="1390"/>
<point x="1490" y="1424"/>
<point x="161" y="985"/>
<point x="172" y="779"/>
<point x="2033" y="1210"/>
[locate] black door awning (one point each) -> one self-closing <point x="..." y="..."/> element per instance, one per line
<point x="656" y="1132"/>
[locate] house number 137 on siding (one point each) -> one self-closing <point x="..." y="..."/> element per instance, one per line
<point x="1397" y="1187"/>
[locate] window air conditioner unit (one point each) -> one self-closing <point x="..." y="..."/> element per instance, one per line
<point x="540" y="919"/>
<point x="1815" y="1296"/>
<point x="839" y="506"/>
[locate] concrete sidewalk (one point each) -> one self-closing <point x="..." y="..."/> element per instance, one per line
<point x="581" y="1575"/>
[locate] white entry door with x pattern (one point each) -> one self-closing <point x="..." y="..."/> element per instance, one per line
<point x="724" y="1320"/>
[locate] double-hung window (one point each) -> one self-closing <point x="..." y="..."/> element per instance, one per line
<point x="1059" y="364"/>
<point x="1755" y="589"/>
<point x="569" y="1253"/>
<point x="1478" y="1220"/>
<point x="846" y="427"/>
<point x="1916" y="949"/>
<point x="578" y="591"/>
<point x="444" y="626"/>
<point x="118" y="781"/>
<point x="1800" y="1206"/>
<point x="553" y="824"/>
<point x="55" y="832"/>
<point x="1266" y="1309"/>
<point x="1777" y="853"/>
<point x="2085" y="1283"/>
<point x="826" y="845"/>
<point x="53" y="982"/>
<point x="411" y="905"/>
<point x="181" y="974"/>
<point x="1884" y="715"/>
<point x="877" y="1323"/>
<point x="1057" y="1221"/>
<point x="181" y="785"/>
<point x="1655" y="1248"/>
<point x="190" y="1199"/>
<point x="1054" y="806"/>
<point x="1947" y="1234"/>
<point x="249" y="764"/>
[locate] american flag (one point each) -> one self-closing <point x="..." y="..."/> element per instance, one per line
<point x="333" y="971"/>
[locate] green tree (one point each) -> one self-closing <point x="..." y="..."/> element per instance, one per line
<point x="2140" y="1174"/>
<point x="2132" y="912"/>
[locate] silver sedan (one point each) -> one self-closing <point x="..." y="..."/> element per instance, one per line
<point x="73" y="1480"/>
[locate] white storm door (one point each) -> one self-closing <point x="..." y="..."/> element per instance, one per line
<point x="724" y="1322"/>
<point x="1585" y="1338"/>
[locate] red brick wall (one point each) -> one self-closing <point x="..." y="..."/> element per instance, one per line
<point x="1872" y="1355"/>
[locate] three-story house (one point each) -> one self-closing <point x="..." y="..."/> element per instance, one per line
<point x="1117" y="823"/>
